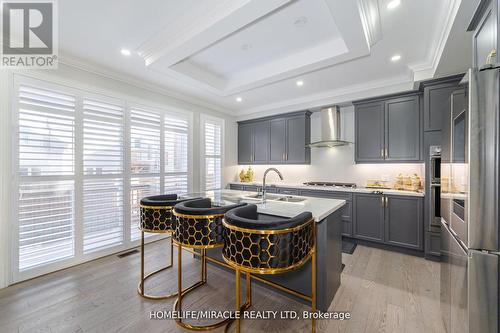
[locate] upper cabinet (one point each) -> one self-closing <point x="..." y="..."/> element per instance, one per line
<point x="484" y="25"/>
<point x="388" y="130"/>
<point x="282" y="139"/>
<point x="437" y="101"/>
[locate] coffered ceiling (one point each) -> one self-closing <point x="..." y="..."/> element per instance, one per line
<point x="246" y="56"/>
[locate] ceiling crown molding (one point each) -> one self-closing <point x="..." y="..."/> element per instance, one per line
<point x="370" y="17"/>
<point x="426" y="70"/>
<point x="335" y="96"/>
<point x="76" y="63"/>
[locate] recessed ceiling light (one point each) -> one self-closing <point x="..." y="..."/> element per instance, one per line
<point x="300" y="22"/>
<point x="299" y="83"/>
<point x="395" y="57"/>
<point x="125" y="52"/>
<point x="239" y="99"/>
<point x="393" y="4"/>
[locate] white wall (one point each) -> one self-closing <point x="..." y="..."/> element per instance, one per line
<point x="93" y="82"/>
<point x="335" y="164"/>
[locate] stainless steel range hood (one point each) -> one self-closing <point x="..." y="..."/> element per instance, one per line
<point x="330" y="129"/>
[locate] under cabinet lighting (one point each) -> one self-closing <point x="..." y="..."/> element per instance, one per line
<point x="125" y="52"/>
<point x="239" y="99"/>
<point x="300" y="83"/>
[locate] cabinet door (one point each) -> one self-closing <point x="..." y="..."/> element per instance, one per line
<point x="436" y="104"/>
<point x="404" y="222"/>
<point x="296" y="150"/>
<point x="369" y="217"/>
<point x="277" y="141"/>
<point x="402" y="130"/>
<point x="369" y="129"/>
<point x="485" y="37"/>
<point x="261" y="142"/>
<point x="245" y="144"/>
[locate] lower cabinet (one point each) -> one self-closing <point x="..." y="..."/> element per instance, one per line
<point x="369" y="217"/>
<point x="389" y="219"/>
<point x="404" y="222"/>
<point x="346" y="210"/>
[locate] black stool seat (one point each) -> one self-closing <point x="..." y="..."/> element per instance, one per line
<point x="199" y="223"/>
<point x="156" y="212"/>
<point x="264" y="244"/>
<point x="260" y="244"/>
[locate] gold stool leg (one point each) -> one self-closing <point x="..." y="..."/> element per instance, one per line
<point x="178" y="301"/>
<point x="140" y="287"/>
<point x="313" y="289"/>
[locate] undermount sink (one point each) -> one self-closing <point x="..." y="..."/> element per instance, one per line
<point x="274" y="197"/>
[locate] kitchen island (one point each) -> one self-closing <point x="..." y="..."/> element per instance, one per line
<point x="327" y="215"/>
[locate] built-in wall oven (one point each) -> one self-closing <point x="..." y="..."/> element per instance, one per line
<point x="435" y="187"/>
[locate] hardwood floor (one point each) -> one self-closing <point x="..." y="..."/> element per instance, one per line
<point x="384" y="292"/>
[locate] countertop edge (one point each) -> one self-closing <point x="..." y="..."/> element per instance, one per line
<point x="327" y="189"/>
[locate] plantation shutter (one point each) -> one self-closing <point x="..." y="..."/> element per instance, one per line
<point x="103" y="125"/>
<point x="46" y="127"/>
<point x="213" y="155"/>
<point x="176" y="131"/>
<point x="145" y="147"/>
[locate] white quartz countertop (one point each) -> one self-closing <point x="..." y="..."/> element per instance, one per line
<point x="334" y="189"/>
<point x="319" y="207"/>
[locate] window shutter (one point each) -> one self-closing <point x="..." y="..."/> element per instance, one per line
<point x="102" y="138"/>
<point x="141" y="187"/>
<point x="213" y="155"/>
<point x="145" y="147"/>
<point x="176" y="154"/>
<point x="145" y="127"/>
<point x="103" y="169"/>
<point x="46" y="121"/>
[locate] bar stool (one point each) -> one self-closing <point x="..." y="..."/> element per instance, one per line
<point x="270" y="246"/>
<point x="156" y="217"/>
<point x="198" y="227"/>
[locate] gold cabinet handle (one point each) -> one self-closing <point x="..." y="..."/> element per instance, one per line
<point x="382" y="200"/>
<point x="382" y="153"/>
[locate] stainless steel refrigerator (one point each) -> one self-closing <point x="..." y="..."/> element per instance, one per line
<point x="470" y="205"/>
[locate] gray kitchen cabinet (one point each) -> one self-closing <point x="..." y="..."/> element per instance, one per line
<point x="388" y="129"/>
<point x="432" y="245"/>
<point x="369" y="217"/>
<point x="287" y="191"/>
<point x="261" y="142"/>
<point x="298" y="136"/>
<point x="277" y="148"/>
<point x="390" y="219"/>
<point x="245" y="144"/>
<point x="404" y="221"/>
<point x="346" y="210"/>
<point x="236" y="187"/>
<point x="280" y="139"/>
<point x="369" y="145"/>
<point x="402" y="134"/>
<point x="484" y="25"/>
<point x="436" y="103"/>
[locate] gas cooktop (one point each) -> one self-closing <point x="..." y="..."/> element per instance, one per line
<point x="331" y="184"/>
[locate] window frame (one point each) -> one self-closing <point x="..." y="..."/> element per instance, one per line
<point x="81" y="92"/>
